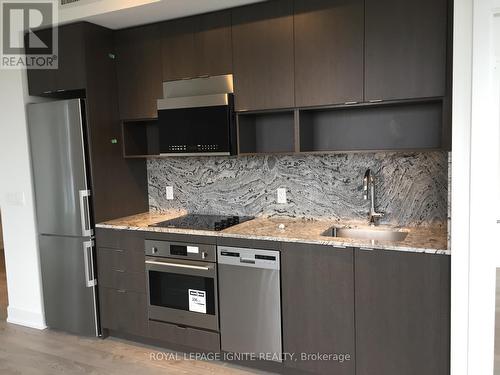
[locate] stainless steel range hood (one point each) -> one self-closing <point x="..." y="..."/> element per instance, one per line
<point x="196" y="92"/>
<point x="196" y="117"/>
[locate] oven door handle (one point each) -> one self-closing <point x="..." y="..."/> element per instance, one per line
<point x="178" y="265"/>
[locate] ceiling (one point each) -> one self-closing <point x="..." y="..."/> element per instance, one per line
<point x="118" y="14"/>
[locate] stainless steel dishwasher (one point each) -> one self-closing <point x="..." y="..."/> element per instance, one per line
<point x="250" y="301"/>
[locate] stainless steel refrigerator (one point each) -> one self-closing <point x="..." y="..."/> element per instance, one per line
<point x="61" y="175"/>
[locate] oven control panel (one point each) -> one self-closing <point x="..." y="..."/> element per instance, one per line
<point x="180" y="250"/>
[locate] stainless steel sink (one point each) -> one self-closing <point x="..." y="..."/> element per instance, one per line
<point x="366" y="234"/>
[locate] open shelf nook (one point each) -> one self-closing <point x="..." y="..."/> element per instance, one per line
<point x="383" y="127"/>
<point x="266" y="132"/>
<point x="140" y="138"/>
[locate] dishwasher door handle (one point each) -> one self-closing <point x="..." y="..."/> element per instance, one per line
<point x="247" y="260"/>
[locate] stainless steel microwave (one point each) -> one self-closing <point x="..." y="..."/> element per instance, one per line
<point x="196" y="117"/>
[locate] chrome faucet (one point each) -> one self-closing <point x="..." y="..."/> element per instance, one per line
<point x="369" y="184"/>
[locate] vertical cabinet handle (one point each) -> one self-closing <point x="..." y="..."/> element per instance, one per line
<point x="88" y="256"/>
<point x="85" y="213"/>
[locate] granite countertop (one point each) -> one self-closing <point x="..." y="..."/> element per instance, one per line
<point x="431" y="240"/>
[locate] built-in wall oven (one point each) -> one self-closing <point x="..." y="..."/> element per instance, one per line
<point x="182" y="283"/>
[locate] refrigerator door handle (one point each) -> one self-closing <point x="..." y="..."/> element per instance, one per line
<point x="90" y="279"/>
<point x="85" y="213"/>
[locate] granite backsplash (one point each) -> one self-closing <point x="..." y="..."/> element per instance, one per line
<point x="411" y="188"/>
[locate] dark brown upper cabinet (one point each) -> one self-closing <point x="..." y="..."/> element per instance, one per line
<point x="177" y="49"/>
<point x="405" y="49"/>
<point x="138" y="69"/>
<point x="197" y="46"/>
<point x="212" y="42"/>
<point x="263" y="56"/>
<point x="329" y="39"/>
<point x="402" y="313"/>
<point x="318" y="306"/>
<point x="70" y="74"/>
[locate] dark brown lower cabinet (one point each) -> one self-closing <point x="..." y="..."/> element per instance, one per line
<point x="122" y="281"/>
<point x="187" y="337"/>
<point x="120" y="239"/>
<point x="402" y="313"/>
<point x="318" y="308"/>
<point x="120" y="269"/>
<point x="123" y="311"/>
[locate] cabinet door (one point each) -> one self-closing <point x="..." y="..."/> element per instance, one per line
<point x="40" y="81"/>
<point x="405" y="49"/>
<point x="318" y="306"/>
<point x="263" y="55"/>
<point x="329" y="39"/>
<point x="178" y="51"/>
<point x="138" y="68"/>
<point x="402" y="313"/>
<point x="123" y="311"/>
<point x="212" y="41"/>
<point x="70" y="74"/>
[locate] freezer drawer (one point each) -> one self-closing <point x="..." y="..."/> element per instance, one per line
<point x="68" y="284"/>
<point x="250" y="301"/>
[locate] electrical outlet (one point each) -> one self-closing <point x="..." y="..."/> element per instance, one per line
<point x="281" y="195"/>
<point x="15" y="198"/>
<point x="170" y="192"/>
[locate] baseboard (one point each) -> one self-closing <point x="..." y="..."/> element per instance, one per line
<point x="25" y="318"/>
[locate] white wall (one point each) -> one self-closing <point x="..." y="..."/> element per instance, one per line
<point x="17" y="205"/>
<point x="460" y="182"/>
<point x="475" y="186"/>
<point x="484" y="232"/>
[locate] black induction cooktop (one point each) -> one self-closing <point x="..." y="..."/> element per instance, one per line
<point x="203" y="222"/>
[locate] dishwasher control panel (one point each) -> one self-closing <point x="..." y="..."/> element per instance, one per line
<point x="268" y="259"/>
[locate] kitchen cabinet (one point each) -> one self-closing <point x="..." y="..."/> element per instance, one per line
<point x="122" y="281"/>
<point x="192" y="339"/>
<point x="329" y="40"/>
<point x="212" y="43"/>
<point x="114" y="179"/>
<point x="123" y="311"/>
<point x="120" y="239"/>
<point x="121" y="270"/>
<point x="70" y="74"/>
<point x="405" y="49"/>
<point x="318" y="306"/>
<point x="139" y="71"/>
<point x="263" y="56"/>
<point x="197" y="46"/>
<point x="177" y="49"/>
<point x="402" y="313"/>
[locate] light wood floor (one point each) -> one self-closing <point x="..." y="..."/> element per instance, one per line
<point x="29" y="351"/>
